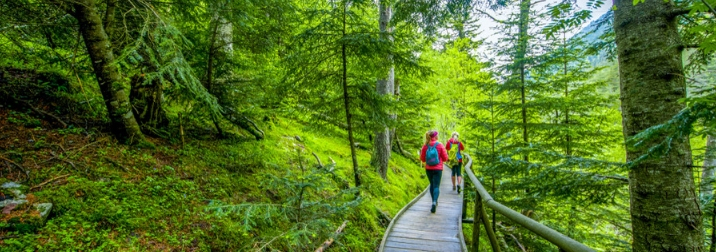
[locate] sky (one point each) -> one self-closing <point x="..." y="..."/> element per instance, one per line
<point x="488" y="28"/>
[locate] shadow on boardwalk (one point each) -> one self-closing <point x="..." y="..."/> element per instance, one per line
<point x="416" y="229"/>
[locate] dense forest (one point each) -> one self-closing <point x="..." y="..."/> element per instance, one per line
<point x="267" y="125"/>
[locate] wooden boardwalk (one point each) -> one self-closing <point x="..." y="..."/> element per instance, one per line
<point x="414" y="228"/>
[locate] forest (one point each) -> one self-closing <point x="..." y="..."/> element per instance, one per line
<point x="296" y="125"/>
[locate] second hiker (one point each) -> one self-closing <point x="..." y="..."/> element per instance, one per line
<point x="433" y="154"/>
<point x="455" y="148"/>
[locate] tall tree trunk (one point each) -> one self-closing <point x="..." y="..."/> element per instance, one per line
<point x="385" y="87"/>
<point x="221" y="47"/>
<point x="209" y="84"/>
<point x="346" y="101"/>
<point x="707" y="176"/>
<point x="664" y="206"/>
<point x="708" y="168"/>
<point x="568" y="139"/>
<point x="123" y="124"/>
<point x="522" y="40"/>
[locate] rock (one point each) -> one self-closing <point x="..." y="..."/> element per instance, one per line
<point x="16" y="202"/>
<point x="8" y="185"/>
<point x="18" y="194"/>
<point x="8" y="208"/>
<point x="44" y="209"/>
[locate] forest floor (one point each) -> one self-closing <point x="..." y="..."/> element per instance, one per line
<point x="110" y="196"/>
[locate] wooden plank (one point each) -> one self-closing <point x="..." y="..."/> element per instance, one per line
<point x="390" y="249"/>
<point x="431" y="227"/>
<point x="438" y="239"/>
<point x="421" y="233"/>
<point x="423" y="243"/>
<point x="426" y="245"/>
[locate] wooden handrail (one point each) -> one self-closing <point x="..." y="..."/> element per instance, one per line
<point x="562" y="241"/>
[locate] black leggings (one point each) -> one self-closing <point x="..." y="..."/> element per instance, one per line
<point x="434" y="176"/>
<point x="456" y="170"/>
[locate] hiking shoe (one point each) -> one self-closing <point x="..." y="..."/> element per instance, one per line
<point x="458" y="189"/>
<point x="432" y="209"/>
<point x="453" y="188"/>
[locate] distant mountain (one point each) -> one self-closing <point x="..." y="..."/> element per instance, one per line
<point x="592" y="35"/>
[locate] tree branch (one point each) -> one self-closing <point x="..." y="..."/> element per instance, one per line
<point x="711" y="8"/>
<point x="320" y="164"/>
<point x="328" y="242"/>
<point x="48" y="181"/>
<point x="491" y="17"/>
<point x="679" y="11"/>
<point x="41" y="112"/>
<point x="619" y="178"/>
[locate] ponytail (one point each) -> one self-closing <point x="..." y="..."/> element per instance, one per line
<point x="429" y="136"/>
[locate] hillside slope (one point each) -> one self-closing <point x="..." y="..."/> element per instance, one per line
<point x="208" y="195"/>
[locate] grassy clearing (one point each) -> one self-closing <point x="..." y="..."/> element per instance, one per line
<point x="117" y="197"/>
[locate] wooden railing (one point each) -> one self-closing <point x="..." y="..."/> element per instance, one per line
<point x="480" y="216"/>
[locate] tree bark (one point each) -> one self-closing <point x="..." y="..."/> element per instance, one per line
<point x="385" y="87"/>
<point x="346" y="101"/>
<point x="664" y="206"/>
<point x="122" y="121"/>
<point x="708" y="168"/>
<point x="522" y="41"/>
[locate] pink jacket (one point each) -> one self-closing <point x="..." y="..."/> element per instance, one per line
<point x="442" y="153"/>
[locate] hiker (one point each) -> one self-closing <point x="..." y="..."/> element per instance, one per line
<point x="433" y="154"/>
<point x="455" y="148"/>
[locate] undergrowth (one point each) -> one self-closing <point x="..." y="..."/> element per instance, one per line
<point x="208" y="195"/>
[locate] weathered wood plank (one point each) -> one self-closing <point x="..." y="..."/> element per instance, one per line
<point x="435" y="239"/>
<point x="391" y="249"/>
<point x="426" y="245"/>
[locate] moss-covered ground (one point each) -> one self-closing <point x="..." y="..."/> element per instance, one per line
<point x="108" y="196"/>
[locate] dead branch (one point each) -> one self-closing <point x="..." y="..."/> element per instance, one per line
<point x="8" y="162"/>
<point x="48" y="181"/>
<point x="54" y="156"/>
<point x="334" y="163"/>
<point x="41" y="112"/>
<point x="513" y="237"/>
<point x="87" y="145"/>
<point x="328" y="242"/>
<point x="115" y="163"/>
<point x="320" y="164"/>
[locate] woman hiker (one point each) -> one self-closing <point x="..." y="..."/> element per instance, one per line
<point x="433" y="154"/>
<point x="455" y="148"/>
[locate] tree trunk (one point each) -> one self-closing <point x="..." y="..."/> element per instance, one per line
<point x="708" y="169"/>
<point x="568" y="148"/>
<point x="664" y="207"/>
<point x="522" y="40"/>
<point x="220" y="48"/>
<point x="707" y="177"/>
<point x="385" y="87"/>
<point x="346" y="101"/>
<point x="123" y="124"/>
<point x="147" y="103"/>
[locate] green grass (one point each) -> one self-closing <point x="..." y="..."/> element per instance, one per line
<point x="119" y="197"/>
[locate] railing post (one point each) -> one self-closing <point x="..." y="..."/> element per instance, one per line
<point x="464" y="206"/>
<point x="490" y="232"/>
<point x="476" y="223"/>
